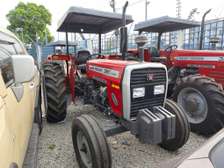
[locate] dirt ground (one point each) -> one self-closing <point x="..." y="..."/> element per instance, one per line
<point x="56" y="150"/>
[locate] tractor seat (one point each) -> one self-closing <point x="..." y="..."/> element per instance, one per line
<point x="82" y="68"/>
<point x="153" y="52"/>
<point x="82" y="57"/>
<point x="155" y="57"/>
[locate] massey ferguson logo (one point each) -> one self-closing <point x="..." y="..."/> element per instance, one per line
<point x="149" y="77"/>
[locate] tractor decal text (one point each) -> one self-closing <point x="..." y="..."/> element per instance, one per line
<point x="199" y="58"/>
<point x="200" y="66"/>
<point x="104" y="71"/>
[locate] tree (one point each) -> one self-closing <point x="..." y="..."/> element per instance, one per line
<point x="29" y="21"/>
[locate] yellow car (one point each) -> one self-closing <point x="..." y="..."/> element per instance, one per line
<point x="19" y="102"/>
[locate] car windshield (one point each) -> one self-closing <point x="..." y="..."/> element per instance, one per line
<point x="216" y="155"/>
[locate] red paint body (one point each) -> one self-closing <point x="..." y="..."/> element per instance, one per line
<point x="117" y="65"/>
<point x="71" y="70"/>
<point x="213" y="69"/>
<point x="112" y="62"/>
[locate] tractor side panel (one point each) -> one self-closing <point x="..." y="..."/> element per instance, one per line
<point x="111" y="76"/>
<point x="209" y="63"/>
<point x="114" y="94"/>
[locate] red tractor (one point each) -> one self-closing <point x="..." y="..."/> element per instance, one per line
<point x="196" y="77"/>
<point x="130" y="95"/>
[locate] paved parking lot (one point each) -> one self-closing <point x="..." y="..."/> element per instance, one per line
<point x="56" y="150"/>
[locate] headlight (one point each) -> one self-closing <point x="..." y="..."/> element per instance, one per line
<point x="159" y="89"/>
<point x="138" y="92"/>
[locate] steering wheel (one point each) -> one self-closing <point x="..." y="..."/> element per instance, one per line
<point x="171" y="47"/>
<point x="132" y="58"/>
<point x="94" y="55"/>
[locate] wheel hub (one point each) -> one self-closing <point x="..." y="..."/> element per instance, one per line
<point x="84" y="149"/>
<point x="191" y="106"/>
<point x="194" y="104"/>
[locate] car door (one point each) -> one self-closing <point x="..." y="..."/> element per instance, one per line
<point x="7" y="136"/>
<point x="19" y="103"/>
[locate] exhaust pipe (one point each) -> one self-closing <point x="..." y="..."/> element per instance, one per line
<point x="203" y="28"/>
<point x="123" y="33"/>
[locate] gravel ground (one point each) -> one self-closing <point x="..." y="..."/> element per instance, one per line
<point x="56" y="150"/>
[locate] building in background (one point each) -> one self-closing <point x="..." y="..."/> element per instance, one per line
<point x="213" y="38"/>
<point x="214" y="32"/>
<point x="214" y="29"/>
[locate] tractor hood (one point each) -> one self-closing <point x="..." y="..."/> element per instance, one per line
<point x="113" y="63"/>
<point x="108" y="69"/>
<point x="112" y="69"/>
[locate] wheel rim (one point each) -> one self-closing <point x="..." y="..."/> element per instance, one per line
<point x="194" y="104"/>
<point x="84" y="149"/>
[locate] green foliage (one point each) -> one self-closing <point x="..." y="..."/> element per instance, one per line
<point x="29" y="21"/>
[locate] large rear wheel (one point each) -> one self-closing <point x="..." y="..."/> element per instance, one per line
<point x="203" y="102"/>
<point x="90" y="144"/>
<point x="182" y="127"/>
<point x="54" y="81"/>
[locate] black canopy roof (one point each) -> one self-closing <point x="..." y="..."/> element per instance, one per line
<point x="61" y="43"/>
<point x="82" y="20"/>
<point x="165" y="24"/>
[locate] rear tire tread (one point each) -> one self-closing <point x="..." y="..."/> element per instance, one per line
<point x="55" y="92"/>
<point x="214" y="95"/>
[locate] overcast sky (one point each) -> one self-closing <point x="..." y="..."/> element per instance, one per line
<point x="136" y="8"/>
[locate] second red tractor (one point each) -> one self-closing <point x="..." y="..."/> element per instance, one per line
<point x="196" y="77"/>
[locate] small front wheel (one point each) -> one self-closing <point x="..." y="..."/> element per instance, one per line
<point x="182" y="127"/>
<point x="90" y="143"/>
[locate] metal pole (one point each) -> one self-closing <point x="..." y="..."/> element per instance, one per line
<point x="67" y="52"/>
<point x="54" y="50"/>
<point x="116" y="32"/>
<point x="38" y="52"/>
<point x="159" y="40"/>
<point x="112" y="4"/>
<point x="99" y="43"/>
<point x="146" y="9"/>
<point x="46" y="40"/>
<point x="202" y="29"/>
<point x="75" y="43"/>
<point x="66" y="37"/>
<point x="123" y="33"/>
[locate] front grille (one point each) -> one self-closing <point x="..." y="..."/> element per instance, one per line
<point x="139" y="78"/>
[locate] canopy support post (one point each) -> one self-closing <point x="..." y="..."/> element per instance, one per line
<point x="67" y="52"/>
<point x="159" y="40"/>
<point x="67" y="47"/>
<point x="99" y="51"/>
